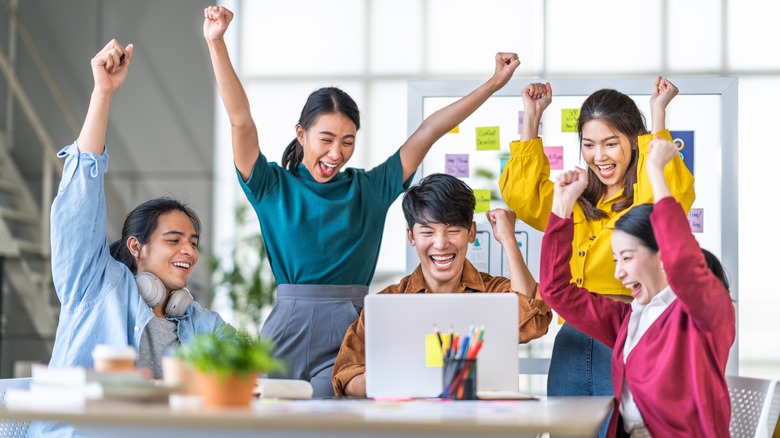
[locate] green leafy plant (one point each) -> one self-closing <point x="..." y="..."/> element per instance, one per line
<point x="246" y="275"/>
<point x="489" y="178"/>
<point x="241" y="354"/>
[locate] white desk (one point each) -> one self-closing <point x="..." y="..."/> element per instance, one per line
<point x="562" y="416"/>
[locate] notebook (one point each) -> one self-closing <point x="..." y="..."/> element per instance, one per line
<point x="396" y="329"/>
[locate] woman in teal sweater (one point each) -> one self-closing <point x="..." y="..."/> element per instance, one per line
<point x="322" y="222"/>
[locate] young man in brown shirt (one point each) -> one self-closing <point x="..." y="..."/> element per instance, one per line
<point x="439" y="212"/>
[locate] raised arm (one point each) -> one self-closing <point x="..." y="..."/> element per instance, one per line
<point x="591" y="313"/>
<point x="503" y="223"/>
<point x="536" y="98"/>
<point x="246" y="147"/>
<point x="568" y="187"/>
<point x="663" y="93"/>
<point x="702" y="293"/>
<point x="661" y="152"/>
<point x="109" y="70"/>
<point x="442" y="121"/>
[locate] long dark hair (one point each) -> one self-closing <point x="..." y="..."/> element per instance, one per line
<point x="621" y="114"/>
<point x="141" y="223"/>
<point x="327" y="100"/>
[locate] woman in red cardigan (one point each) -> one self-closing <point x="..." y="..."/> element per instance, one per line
<point x="671" y="344"/>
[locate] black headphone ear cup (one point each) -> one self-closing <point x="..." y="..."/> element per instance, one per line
<point x="151" y="288"/>
<point x="178" y="302"/>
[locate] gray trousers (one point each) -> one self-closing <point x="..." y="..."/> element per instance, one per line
<point x="307" y="325"/>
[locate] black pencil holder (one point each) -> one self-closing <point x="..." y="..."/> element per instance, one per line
<point x="459" y="379"/>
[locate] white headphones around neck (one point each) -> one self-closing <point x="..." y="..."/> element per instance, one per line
<point x="152" y="290"/>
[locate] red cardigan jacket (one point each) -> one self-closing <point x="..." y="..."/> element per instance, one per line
<point x="676" y="371"/>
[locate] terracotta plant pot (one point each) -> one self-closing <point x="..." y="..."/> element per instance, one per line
<point x="231" y="391"/>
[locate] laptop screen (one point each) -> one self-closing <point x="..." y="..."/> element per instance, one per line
<point x="398" y="325"/>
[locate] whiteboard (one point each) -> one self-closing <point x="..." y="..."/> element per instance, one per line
<point x="705" y="112"/>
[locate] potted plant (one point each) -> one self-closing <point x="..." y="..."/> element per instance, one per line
<point x="225" y="370"/>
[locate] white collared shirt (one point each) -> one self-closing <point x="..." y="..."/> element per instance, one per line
<point x="642" y="317"/>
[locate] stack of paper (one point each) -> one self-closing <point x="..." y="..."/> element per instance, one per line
<point x="284" y="388"/>
<point x="69" y="389"/>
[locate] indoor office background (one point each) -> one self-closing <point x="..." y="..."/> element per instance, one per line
<point x="168" y="132"/>
<point x="285" y="49"/>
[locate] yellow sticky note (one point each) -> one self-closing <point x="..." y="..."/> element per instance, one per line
<point x="445" y="343"/>
<point x="454" y="130"/>
<point x="569" y="118"/>
<point x="433" y="356"/>
<point x="488" y="138"/>
<point x="483" y="200"/>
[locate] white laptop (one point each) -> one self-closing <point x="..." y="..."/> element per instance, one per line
<point x="396" y="329"/>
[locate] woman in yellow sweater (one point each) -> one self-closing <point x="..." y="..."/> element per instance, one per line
<point x="614" y="146"/>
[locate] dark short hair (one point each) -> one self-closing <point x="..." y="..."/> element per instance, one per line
<point x="141" y="223"/>
<point x="716" y="267"/>
<point x="439" y="199"/>
<point x="326" y="100"/>
<point x="636" y="222"/>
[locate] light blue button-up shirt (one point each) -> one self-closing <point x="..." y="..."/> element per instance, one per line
<point x="99" y="297"/>
<point x="100" y="300"/>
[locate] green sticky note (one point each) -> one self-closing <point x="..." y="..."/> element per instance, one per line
<point x="488" y="138"/>
<point x="569" y="117"/>
<point x="433" y="354"/>
<point x="483" y="200"/>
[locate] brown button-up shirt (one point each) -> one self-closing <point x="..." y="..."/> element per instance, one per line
<point x="535" y="317"/>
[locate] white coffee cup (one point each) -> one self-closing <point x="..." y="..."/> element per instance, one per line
<point x="113" y="358"/>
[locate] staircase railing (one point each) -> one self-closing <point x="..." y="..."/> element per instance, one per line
<point x="30" y="277"/>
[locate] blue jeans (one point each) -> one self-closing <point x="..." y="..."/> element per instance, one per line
<point x="580" y="366"/>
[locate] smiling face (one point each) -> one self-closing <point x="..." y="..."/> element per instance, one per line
<point x="442" y="252"/>
<point x="607" y="153"/>
<point x="637" y="267"/>
<point x="327" y="145"/>
<point x="171" y="252"/>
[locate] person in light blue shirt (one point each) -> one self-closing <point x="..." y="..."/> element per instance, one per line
<point x="101" y="302"/>
<point x="322" y="222"/>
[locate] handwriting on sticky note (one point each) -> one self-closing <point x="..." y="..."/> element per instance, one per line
<point x="433" y="355"/>
<point x="569" y="117"/>
<point x="488" y="138"/>
<point x="554" y="156"/>
<point x="483" y="200"/>
<point x="696" y="219"/>
<point x="520" y="123"/>
<point x="456" y="165"/>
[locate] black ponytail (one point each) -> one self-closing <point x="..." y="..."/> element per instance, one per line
<point x="292" y="156"/>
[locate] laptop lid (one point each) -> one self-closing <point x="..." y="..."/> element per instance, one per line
<point x="396" y="329"/>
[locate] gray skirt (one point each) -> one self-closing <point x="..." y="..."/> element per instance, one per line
<point x="307" y="325"/>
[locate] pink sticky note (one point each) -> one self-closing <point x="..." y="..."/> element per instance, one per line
<point x="555" y="156"/>
<point x="456" y="165"/>
<point x="696" y="219"/>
